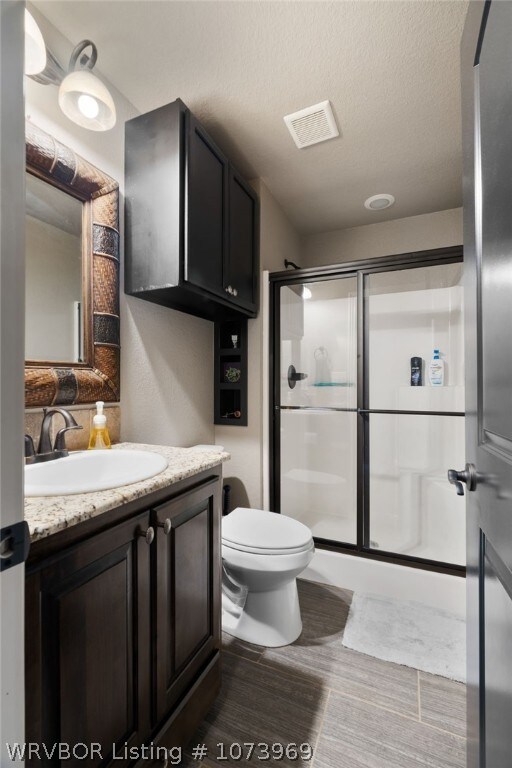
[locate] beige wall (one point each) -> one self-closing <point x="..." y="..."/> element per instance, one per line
<point x="416" y="233"/>
<point x="166" y="356"/>
<point x="245" y="472"/>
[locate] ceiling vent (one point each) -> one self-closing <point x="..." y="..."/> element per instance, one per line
<point x="312" y="125"/>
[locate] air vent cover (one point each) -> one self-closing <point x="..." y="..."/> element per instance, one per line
<point x="312" y="125"/>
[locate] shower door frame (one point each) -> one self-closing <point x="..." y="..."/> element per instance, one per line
<point x="360" y="269"/>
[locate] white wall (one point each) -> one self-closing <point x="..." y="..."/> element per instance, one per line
<point x="278" y="241"/>
<point x="166" y="356"/>
<point x="415" y="233"/>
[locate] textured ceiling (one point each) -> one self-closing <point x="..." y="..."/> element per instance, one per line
<point x="390" y="70"/>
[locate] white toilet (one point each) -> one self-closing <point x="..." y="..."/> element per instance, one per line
<point x="263" y="553"/>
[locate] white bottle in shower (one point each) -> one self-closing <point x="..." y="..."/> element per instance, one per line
<point x="436" y="370"/>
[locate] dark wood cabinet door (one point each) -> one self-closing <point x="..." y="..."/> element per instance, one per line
<point x="205" y="210"/>
<point x="186" y="588"/>
<point x="242" y="269"/>
<point x="87" y="646"/>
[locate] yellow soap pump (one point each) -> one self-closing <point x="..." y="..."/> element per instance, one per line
<point x="99" y="439"/>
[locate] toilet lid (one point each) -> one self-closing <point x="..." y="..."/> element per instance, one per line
<point x="266" y="531"/>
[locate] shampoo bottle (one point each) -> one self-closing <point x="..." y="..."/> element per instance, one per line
<point x="99" y="439"/>
<point x="436" y="370"/>
<point x="416" y="377"/>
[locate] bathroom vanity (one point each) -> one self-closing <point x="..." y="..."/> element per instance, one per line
<point x="123" y="610"/>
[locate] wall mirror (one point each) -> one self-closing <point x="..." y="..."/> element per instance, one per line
<point x="53" y="276"/>
<point x="72" y="277"/>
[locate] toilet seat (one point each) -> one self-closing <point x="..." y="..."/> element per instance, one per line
<point x="267" y="551"/>
<point x="264" y="533"/>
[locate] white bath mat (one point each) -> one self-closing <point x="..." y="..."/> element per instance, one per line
<point x="408" y="633"/>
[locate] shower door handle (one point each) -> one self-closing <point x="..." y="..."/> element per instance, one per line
<point x="468" y="476"/>
<point x="294" y="376"/>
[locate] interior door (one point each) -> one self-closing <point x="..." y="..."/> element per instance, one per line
<point x="12" y="311"/>
<point x="487" y="104"/>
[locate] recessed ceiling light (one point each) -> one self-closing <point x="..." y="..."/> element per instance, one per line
<point x="379" y="202"/>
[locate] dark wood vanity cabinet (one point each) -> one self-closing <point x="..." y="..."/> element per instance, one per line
<point x="192" y="222"/>
<point x="187" y="592"/>
<point x="123" y="629"/>
<point x="88" y="643"/>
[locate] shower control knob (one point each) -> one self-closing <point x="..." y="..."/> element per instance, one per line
<point x="294" y="376"/>
<point x="468" y="476"/>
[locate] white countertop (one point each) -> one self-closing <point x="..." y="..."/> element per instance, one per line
<point x="49" y="514"/>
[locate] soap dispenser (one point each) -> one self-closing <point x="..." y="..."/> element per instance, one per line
<point x="99" y="439"/>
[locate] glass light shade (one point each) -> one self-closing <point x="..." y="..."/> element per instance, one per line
<point x="35" y="49"/>
<point x="86" y="101"/>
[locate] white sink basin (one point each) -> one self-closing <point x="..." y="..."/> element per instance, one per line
<point x="86" y="471"/>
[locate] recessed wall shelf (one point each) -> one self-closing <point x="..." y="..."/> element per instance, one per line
<point x="230" y="389"/>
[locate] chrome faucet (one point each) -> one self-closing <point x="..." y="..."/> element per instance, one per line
<point x="45" y="450"/>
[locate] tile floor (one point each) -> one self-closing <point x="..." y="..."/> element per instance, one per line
<point x="355" y="711"/>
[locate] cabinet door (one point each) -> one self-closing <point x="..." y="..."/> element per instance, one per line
<point x="243" y="261"/>
<point x="187" y="583"/>
<point x="205" y="211"/>
<point x="87" y="647"/>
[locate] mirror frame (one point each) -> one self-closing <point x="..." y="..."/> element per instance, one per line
<point x="98" y="377"/>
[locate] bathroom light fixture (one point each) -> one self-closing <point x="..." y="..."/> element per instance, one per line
<point x="35" y="49"/>
<point x="83" y="98"/>
<point x="379" y="202"/>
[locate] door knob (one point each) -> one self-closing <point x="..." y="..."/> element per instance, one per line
<point x="166" y="525"/>
<point x="149" y="535"/>
<point x="468" y="476"/>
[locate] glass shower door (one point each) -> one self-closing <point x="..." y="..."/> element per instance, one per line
<point x="415" y="433"/>
<point x="317" y="406"/>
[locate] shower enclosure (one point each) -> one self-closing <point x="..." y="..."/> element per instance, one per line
<point x="359" y="454"/>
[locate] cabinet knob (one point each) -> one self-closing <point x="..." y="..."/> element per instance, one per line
<point x="166" y="525"/>
<point x="235" y="292"/>
<point x="149" y="535"/>
<point x="229" y="290"/>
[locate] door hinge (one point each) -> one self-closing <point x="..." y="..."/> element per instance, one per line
<point x="14" y="544"/>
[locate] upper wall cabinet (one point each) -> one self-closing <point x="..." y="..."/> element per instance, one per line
<point x="192" y="222"/>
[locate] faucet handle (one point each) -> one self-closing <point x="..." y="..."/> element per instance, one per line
<point x="60" y="439"/>
<point x="30" y="450"/>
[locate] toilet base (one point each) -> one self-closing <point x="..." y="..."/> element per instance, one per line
<point x="270" y="618"/>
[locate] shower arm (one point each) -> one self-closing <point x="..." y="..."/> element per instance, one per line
<point x="288" y="263"/>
